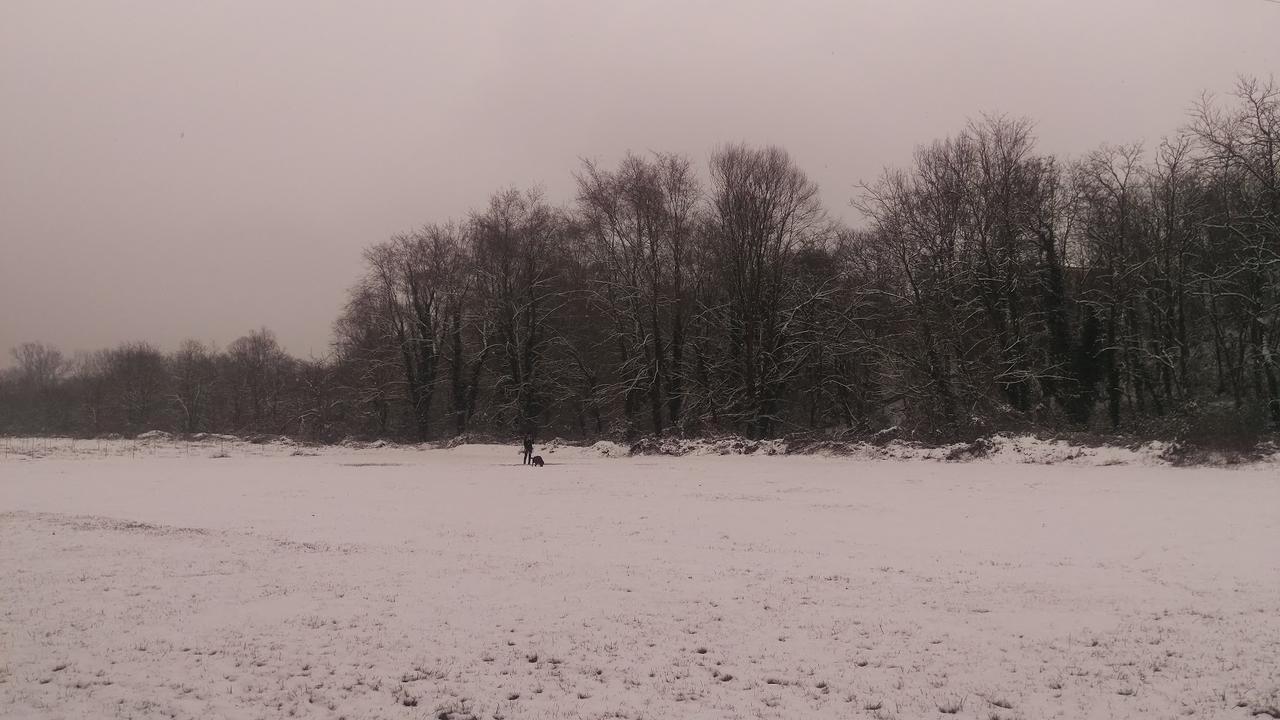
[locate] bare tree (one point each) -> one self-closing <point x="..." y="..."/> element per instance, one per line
<point x="137" y="381"/>
<point x="1110" y="202"/>
<point x="519" y="245"/>
<point x="1240" y="149"/>
<point x="369" y="368"/>
<point x="259" y="371"/>
<point x="764" y="211"/>
<point x="638" y="221"/>
<point x="193" y="376"/>
<point x="34" y="385"/>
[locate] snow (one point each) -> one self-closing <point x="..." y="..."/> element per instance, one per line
<point x="223" y="579"/>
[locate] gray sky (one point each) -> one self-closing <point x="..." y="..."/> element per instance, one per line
<point x="180" y="168"/>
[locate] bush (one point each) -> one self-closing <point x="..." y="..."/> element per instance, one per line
<point x="1217" y="432"/>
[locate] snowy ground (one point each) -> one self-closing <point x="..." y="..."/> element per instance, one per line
<point x="156" y="580"/>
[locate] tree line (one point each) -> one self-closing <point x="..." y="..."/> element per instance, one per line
<point x="990" y="286"/>
<point x="251" y="386"/>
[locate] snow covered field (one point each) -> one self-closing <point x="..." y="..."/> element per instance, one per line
<point x="156" y="580"/>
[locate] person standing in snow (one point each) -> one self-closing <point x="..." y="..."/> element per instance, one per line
<point x="528" y="449"/>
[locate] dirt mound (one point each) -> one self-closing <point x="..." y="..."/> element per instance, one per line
<point x="608" y="448"/>
<point x="155" y="435"/>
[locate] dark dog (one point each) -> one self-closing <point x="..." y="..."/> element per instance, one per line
<point x="537" y="461"/>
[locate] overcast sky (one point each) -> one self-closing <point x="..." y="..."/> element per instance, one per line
<point x="173" y="169"/>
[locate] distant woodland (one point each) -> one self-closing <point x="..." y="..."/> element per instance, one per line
<point x="988" y="286"/>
